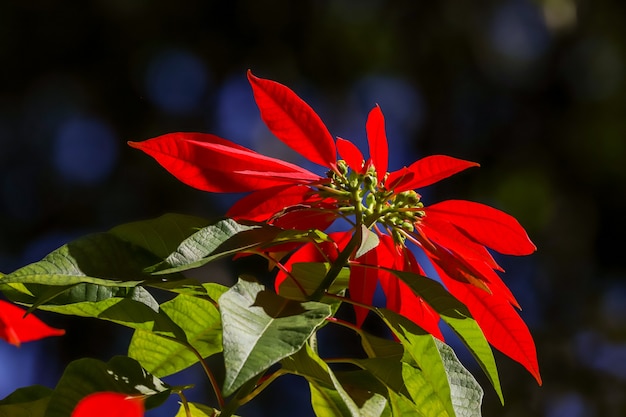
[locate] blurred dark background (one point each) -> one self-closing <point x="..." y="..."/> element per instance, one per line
<point x="533" y="90"/>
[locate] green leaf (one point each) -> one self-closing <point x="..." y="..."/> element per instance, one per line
<point x="387" y="371"/>
<point x="366" y="391"/>
<point x="261" y="328"/>
<point x="120" y="374"/>
<point x="458" y="317"/>
<point x="328" y="397"/>
<point x="101" y="259"/>
<point x="402" y="406"/>
<point x="138" y="311"/>
<point x="160" y="236"/>
<point x="377" y="347"/>
<point x="410" y="389"/>
<point x="197" y="410"/>
<point x="26" y="402"/>
<point x="438" y="381"/>
<point x="163" y="356"/>
<point x="308" y="364"/>
<point x="369" y="241"/>
<point x="310" y="275"/>
<point x="228" y="237"/>
<point x="60" y="296"/>
<point x="224" y="238"/>
<point x="473" y="337"/>
<point x="423" y="371"/>
<point x="466" y="393"/>
<point x="329" y="402"/>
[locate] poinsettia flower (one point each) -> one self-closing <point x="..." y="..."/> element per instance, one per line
<point x="16" y="327"/>
<point x="456" y="235"/>
<point x="109" y="404"/>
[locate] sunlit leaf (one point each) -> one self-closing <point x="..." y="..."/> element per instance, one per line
<point x="161" y="355"/>
<point x="328" y="397"/>
<point x="437" y="379"/>
<point x="369" y="241"/>
<point x="402" y="406"/>
<point x="465" y="391"/>
<point x="328" y="402"/>
<point x="458" y="317"/>
<point x="224" y="238"/>
<point x="197" y="410"/>
<point x="309" y="275"/>
<point x="261" y="328"/>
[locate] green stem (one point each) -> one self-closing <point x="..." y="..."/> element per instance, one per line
<point x="259" y="388"/>
<point x="344" y="256"/>
<point x="337" y="266"/>
<point x="207" y="370"/>
<point x="205" y="367"/>
<point x="185" y="403"/>
<point x="241" y="394"/>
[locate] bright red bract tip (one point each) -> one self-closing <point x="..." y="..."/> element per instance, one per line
<point x="17" y="329"/>
<point x="293" y="121"/>
<point x="377" y="141"/>
<point x="109" y="404"/>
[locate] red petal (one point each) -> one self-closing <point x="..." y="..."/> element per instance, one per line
<point x="434" y="168"/>
<point x="210" y="163"/>
<point x="263" y="204"/>
<point x="377" y="140"/>
<point x="475" y="272"/>
<point x="363" y="280"/>
<point x="413" y="306"/>
<point x="398" y="178"/>
<point x="293" y="121"/>
<point x="311" y="253"/>
<point x="307" y="219"/>
<point x="109" y="404"/>
<point x="495" y="283"/>
<point x="456" y="267"/>
<point x="486" y="225"/>
<point x="400" y="297"/>
<point x="17" y="329"/>
<point x="351" y="154"/>
<point x="451" y="238"/>
<point x="500" y="323"/>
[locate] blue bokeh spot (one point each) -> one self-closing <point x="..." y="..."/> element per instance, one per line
<point x="85" y="150"/>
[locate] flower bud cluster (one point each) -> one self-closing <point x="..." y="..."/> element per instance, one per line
<point x="362" y="195"/>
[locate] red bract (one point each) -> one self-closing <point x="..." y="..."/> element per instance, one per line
<point x="109" y="404"/>
<point x="17" y="328"/>
<point x="455" y="235"/>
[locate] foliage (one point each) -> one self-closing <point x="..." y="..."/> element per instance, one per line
<point x="263" y="333"/>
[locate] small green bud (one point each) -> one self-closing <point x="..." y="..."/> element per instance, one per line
<point x="342" y="167"/>
<point x="408" y="226"/>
